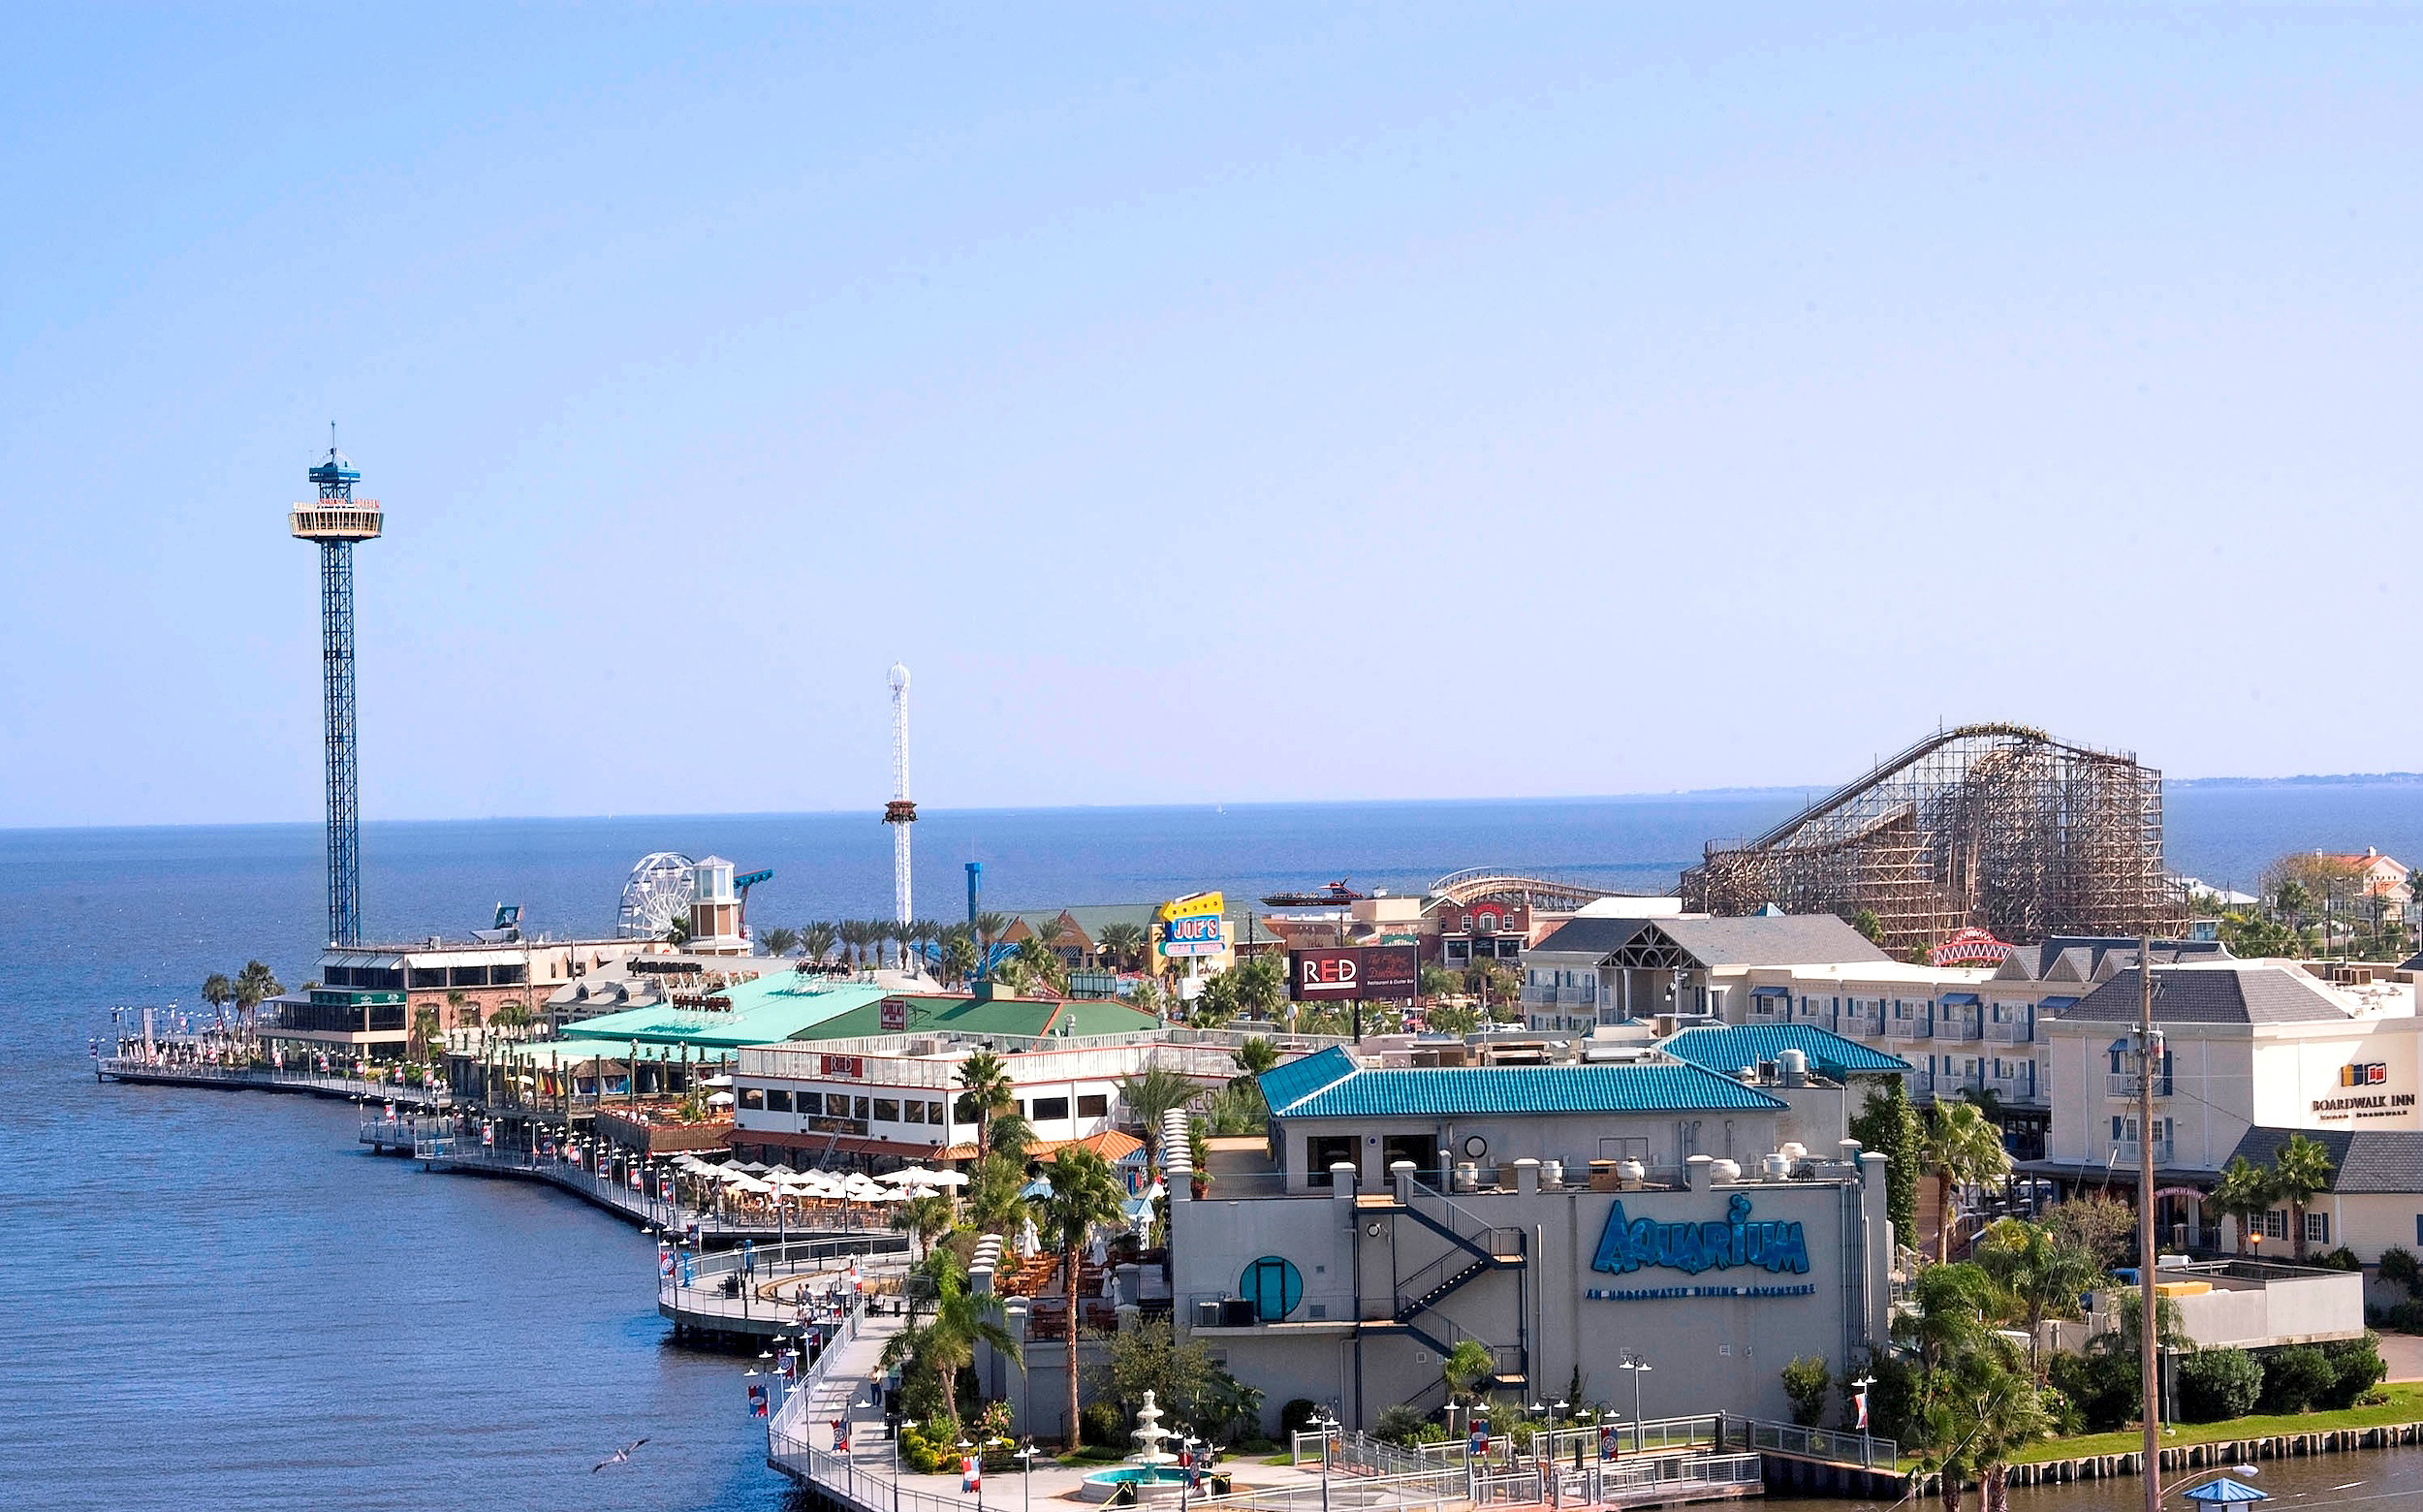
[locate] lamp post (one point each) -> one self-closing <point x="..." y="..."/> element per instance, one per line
<point x="1639" y="1367"/>
<point x="1026" y="1477"/>
<point x="1555" y="1407"/>
<point x="1322" y="1421"/>
<point x="1016" y="1309"/>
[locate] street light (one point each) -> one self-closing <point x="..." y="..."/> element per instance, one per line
<point x="1639" y="1367"/>
<point x="1327" y="1424"/>
<point x="898" y="1428"/>
<point x="1026" y="1476"/>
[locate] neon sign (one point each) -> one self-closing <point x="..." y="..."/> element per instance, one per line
<point x="1632" y="1244"/>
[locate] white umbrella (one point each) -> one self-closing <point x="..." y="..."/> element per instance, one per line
<point x="719" y="1098"/>
<point x="906" y="1176"/>
<point x="894" y="1194"/>
<point x="750" y="1184"/>
<point x="716" y="1081"/>
<point x="1027" y="1242"/>
<point x="948" y="1179"/>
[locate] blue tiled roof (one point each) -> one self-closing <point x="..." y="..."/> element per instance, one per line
<point x="1282" y="1085"/>
<point x="1729" y="1050"/>
<point x="1461" y="1091"/>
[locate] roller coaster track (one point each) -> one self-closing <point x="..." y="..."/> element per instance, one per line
<point x="1541" y="895"/>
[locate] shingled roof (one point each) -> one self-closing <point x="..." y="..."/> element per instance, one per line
<point x="2362" y="1160"/>
<point x="2241" y="993"/>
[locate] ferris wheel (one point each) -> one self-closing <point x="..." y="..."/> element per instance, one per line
<point x="659" y="889"/>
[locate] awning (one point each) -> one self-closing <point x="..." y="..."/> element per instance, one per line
<point x="1770" y="992"/>
<point x="1949" y="998"/>
<point x="2057" y="1005"/>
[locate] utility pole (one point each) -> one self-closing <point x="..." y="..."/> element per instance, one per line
<point x="2149" y="1058"/>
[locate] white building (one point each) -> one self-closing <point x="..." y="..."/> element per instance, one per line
<point x="1568" y="1217"/>
<point x="2247" y="1044"/>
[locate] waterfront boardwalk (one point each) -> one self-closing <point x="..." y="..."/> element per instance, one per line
<point x="170" y="1072"/>
<point x="435" y="1144"/>
<point x="799" y="1442"/>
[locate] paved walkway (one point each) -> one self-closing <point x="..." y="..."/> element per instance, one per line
<point x="2404" y="1353"/>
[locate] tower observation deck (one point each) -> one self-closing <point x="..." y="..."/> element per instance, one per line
<point x="335" y="520"/>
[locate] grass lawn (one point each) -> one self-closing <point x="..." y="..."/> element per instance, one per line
<point x="2404" y="1406"/>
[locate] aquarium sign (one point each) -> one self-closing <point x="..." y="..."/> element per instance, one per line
<point x="1629" y="1245"/>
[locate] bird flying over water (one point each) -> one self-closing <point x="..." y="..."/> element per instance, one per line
<point x="618" y="1457"/>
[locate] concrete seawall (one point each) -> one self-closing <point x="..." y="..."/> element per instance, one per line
<point x="2210" y="1456"/>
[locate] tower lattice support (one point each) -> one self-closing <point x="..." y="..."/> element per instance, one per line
<point x="900" y="812"/>
<point x="336" y="656"/>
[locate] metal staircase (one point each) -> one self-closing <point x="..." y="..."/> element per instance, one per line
<point x="1475" y="1249"/>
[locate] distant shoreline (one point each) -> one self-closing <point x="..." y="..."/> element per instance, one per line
<point x="1798" y="793"/>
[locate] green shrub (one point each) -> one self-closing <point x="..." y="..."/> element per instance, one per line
<point x="2356" y="1368"/>
<point x="1807" y="1381"/>
<point x="2103" y="1387"/>
<point x="930" y="1448"/>
<point x="1401" y="1425"/>
<point x="1297" y="1416"/>
<point x="2340" y="1259"/>
<point x="1892" y="1402"/>
<point x="2215" y="1385"/>
<point x="2407" y="1317"/>
<point x="2399" y="1268"/>
<point x="1101" y="1424"/>
<point x="2295" y="1377"/>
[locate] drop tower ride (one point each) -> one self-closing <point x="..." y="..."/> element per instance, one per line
<point x="334" y="521"/>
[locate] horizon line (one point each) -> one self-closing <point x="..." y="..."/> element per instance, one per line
<point x="1785" y="790"/>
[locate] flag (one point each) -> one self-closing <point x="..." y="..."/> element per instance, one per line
<point x="1607" y="1441"/>
<point x="971" y="1478"/>
<point x="1859" y="1399"/>
<point x="757" y="1400"/>
<point x="635" y="1179"/>
<point x="1477" y="1446"/>
<point x="664" y="1262"/>
<point x="841" y="1436"/>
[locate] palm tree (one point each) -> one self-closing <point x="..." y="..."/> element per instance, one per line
<point x="1960" y="1146"/>
<point x="961" y="1321"/>
<point x="990" y="928"/>
<point x="817" y="941"/>
<point x="1951" y="1315"/>
<point x="1256" y="1054"/>
<point x="1042" y="964"/>
<point x="424" y="1028"/>
<point x="925" y="1219"/>
<point x="2244" y="1193"/>
<point x="958" y="956"/>
<point x="2301" y="1169"/>
<point x="218" y="992"/>
<point x="255" y="985"/>
<point x="454" y="1000"/>
<point x="1123" y="944"/>
<point x="985" y="1083"/>
<point x="778" y="941"/>
<point x="2043" y="1276"/>
<point x="1465" y="1369"/>
<point x="678" y="930"/>
<point x="1083" y="1193"/>
<point x="1152" y="1094"/>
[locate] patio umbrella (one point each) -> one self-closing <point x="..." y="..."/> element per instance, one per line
<point x="1037" y="1188"/>
<point x="1028" y="1243"/>
<point x="2222" y="1491"/>
<point x="906" y="1176"/>
<point x="946" y="1179"/>
<point x="716" y="1081"/>
<point x="719" y="1098"/>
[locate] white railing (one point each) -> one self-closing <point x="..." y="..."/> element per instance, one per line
<point x="140" y="1067"/>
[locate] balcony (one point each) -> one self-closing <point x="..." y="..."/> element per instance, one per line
<point x="2124" y="1085"/>
<point x="1906" y="1029"/>
<point x="2013" y="1033"/>
<point x="2129" y="1151"/>
<point x="1957" y="1031"/>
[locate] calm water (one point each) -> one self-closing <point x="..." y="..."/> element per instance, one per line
<point x="211" y="1300"/>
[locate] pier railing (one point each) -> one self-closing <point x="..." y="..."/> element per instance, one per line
<point x="729" y="1287"/>
<point x="140" y="1068"/>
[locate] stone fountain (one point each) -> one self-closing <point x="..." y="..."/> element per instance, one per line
<point x="1150" y="1474"/>
<point x="1148" y="1434"/>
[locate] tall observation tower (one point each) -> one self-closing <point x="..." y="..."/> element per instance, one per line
<point x="899" y="813"/>
<point x="335" y="520"/>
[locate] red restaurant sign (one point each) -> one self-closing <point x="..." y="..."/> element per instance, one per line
<point x="1355" y="971"/>
<point x="1970" y="948"/>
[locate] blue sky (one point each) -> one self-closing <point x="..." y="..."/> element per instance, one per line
<point x="1279" y="403"/>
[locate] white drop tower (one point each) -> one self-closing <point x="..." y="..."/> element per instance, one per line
<point x="900" y="812"/>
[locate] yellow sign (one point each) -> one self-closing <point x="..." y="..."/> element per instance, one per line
<point x="1199" y="905"/>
